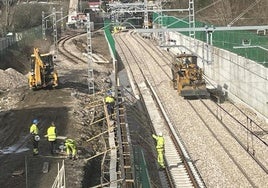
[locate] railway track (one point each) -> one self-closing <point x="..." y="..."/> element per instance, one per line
<point x="220" y="151"/>
<point x="180" y="171"/>
<point x="65" y="52"/>
<point x="142" y="60"/>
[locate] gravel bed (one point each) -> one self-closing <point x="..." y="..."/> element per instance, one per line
<point x="218" y="157"/>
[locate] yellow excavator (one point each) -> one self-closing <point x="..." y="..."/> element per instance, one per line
<point x="42" y="74"/>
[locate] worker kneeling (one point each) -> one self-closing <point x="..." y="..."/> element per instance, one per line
<point x="71" y="148"/>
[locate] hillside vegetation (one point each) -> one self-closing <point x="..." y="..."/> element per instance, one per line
<point x="223" y="12"/>
<point x="16" y="17"/>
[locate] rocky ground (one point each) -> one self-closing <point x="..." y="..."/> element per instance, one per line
<point x="68" y="106"/>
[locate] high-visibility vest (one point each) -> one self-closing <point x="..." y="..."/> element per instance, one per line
<point x="109" y="99"/>
<point x="160" y="142"/>
<point x="51" y="133"/>
<point x="34" y="129"/>
<point x="70" y="142"/>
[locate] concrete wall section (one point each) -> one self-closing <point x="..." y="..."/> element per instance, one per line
<point x="241" y="78"/>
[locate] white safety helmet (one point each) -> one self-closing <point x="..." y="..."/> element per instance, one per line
<point x="160" y="134"/>
<point x="37" y="138"/>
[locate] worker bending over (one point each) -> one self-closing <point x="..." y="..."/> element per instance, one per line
<point x="109" y="101"/>
<point x="35" y="137"/>
<point x="160" y="148"/>
<point x="51" y="137"/>
<point x="71" y="148"/>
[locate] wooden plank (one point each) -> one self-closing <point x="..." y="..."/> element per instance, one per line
<point x="61" y="137"/>
<point x="17" y="172"/>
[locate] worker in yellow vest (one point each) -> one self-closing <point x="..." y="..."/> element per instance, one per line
<point x="35" y="137"/>
<point x="71" y="148"/>
<point x="51" y="137"/>
<point x="110" y="101"/>
<point x="160" y="148"/>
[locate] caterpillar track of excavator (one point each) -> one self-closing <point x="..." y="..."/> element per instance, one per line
<point x="188" y="77"/>
<point x="42" y="74"/>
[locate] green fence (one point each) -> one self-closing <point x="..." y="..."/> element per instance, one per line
<point x="109" y="36"/>
<point x="244" y="43"/>
<point x="30" y="35"/>
<point x="19" y="40"/>
<point x="142" y="178"/>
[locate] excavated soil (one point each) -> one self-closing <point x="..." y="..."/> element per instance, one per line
<point x="67" y="106"/>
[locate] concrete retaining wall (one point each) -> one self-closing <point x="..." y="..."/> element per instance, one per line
<point x="241" y="78"/>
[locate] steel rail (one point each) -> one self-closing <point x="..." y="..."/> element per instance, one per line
<point x="194" y="175"/>
<point x="171" y="179"/>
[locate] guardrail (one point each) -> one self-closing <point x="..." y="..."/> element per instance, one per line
<point x="6" y="42"/>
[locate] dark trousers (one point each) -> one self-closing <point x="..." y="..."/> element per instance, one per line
<point x="110" y="108"/>
<point x="52" y="146"/>
<point x="35" y="146"/>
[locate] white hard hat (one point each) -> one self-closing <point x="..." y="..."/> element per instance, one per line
<point x="160" y="134"/>
<point x="37" y="138"/>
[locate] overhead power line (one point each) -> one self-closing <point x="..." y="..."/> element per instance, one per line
<point x="204" y="8"/>
<point x="244" y="12"/>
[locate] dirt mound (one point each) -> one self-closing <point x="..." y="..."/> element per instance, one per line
<point x="11" y="79"/>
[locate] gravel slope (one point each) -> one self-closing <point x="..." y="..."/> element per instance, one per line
<point x="215" y="152"/>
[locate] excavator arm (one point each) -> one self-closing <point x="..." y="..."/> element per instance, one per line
<point x="42" y="71"/>
<point x="38" y="65"/>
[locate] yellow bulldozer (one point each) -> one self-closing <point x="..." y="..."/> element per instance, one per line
<point x="42" y="74"/>
<point x="188" y="77"/>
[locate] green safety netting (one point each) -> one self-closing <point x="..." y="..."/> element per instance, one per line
<point x="109" y="36"/>
<point x="248" y="44"/>
<point x="142" y="178"/>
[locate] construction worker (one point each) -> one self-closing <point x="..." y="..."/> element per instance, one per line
<point x="35" y="137"/>
<point x="71" y="148"/>
<point x="160" y="148"/>
<point x="109" y="100"/>
<point x="52" y="136"/>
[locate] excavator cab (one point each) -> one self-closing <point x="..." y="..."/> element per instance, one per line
<point x="42" y="74"/>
